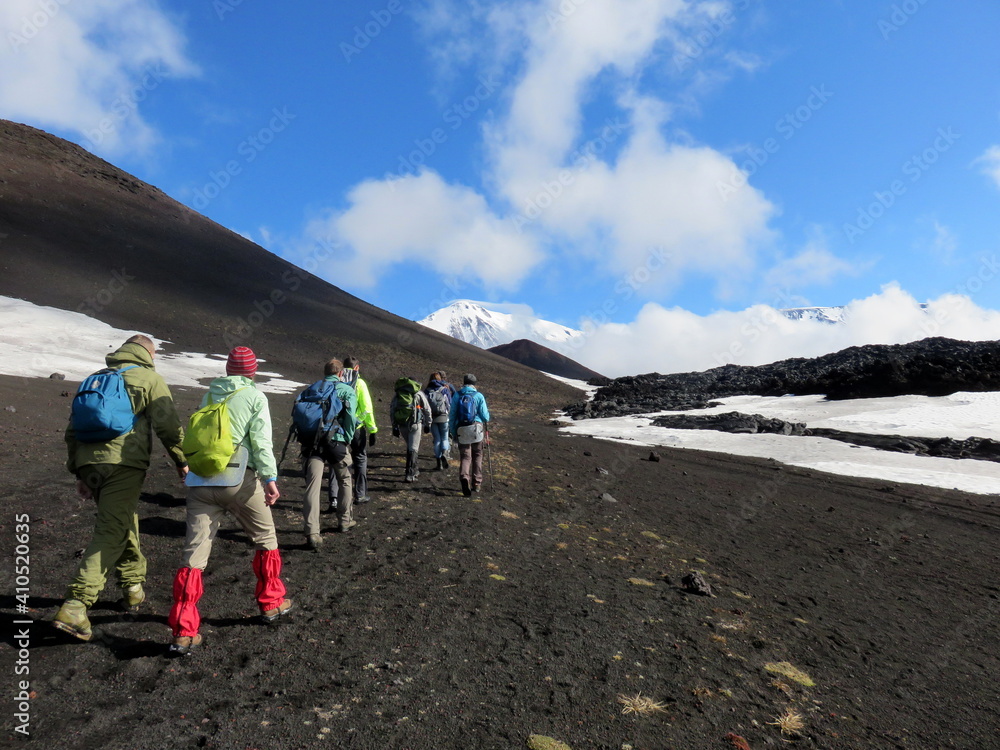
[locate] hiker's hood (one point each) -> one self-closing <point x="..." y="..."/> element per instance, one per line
<point x="222" y="387"/>
<point x="437" y="383"/>
<point x="130" y="354"/>
<point x="468" y="389"/>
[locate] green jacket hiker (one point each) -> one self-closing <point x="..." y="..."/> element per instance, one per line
<point x="155" y="413"/>
<point x="111" y="473"/>
<point x="248" y="416"/>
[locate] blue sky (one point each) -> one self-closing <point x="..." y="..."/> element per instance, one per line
<point x="635" y="166"/>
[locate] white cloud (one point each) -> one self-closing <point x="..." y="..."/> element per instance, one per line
<point x="675" y="340"/>
<point x="677" y="197"/>
<point x="991" y="163"/>
<point x="449" y="228"/>
<point x="85" y="67"/>
<point x="615" y="191"/>
<point x="944" y="244"/>
<point x="814" y="264"/>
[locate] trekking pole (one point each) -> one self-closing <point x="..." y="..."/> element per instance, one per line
<point x="489" y="459"/>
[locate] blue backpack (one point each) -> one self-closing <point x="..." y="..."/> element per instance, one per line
<point x="467" y="409"/>
<point x="315" y="412"/>
<point x="102" y="409"/>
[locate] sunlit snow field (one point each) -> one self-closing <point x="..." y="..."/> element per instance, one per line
<point x="37" y="341"/>
<point x="958" y="416"/>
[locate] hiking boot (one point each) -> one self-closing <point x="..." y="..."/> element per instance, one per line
<point x="72" y="618"/>
<point x="362" y="500"/>
<point x="444" y="462"/>
<point x="270" y="615"/>
<point x="331" y="508"/>
<point x="314" y="541"/>
<point x="346" y="526"/>
<point x="466" y="488"/>
<point x="183" y="645"/>
<point x="132" y="597"/>
<point x="475" y="487"/>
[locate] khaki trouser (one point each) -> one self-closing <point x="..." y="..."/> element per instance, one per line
<point x="470" y="465"/>
<point x="206" y="507"/>
<point x="339" y="459"/>
<point x="115" y="543"/>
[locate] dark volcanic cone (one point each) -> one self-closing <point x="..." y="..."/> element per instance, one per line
<point x="80" y="234"/>
<point x="544" y="359"/>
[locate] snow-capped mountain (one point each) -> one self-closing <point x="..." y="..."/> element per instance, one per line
<point x="472" y="323"/>
<point x="821" y="314"/>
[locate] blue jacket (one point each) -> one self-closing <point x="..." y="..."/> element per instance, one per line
<point x="482" y="412"/>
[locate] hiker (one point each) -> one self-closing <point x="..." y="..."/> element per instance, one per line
<point x="324" y="442"/>
<point x="246" y="488"/>
<point x="110" y="467"/>
<point x="410" y="414"/>
<point x="439" y="395"/>
<point x="364" y="435"/>
<point x="454" y="390"/>
<point x="467" y="425"/>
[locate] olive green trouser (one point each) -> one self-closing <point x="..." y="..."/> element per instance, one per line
<point x="115" y="543"/>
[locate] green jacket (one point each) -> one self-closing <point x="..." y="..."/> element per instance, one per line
<point x="249" y="421"/>
<point x="155" y="411"/>
<point x="365" y="413"/>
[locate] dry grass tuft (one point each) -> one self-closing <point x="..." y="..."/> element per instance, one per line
<point x="785" y="669"/>
<point x="640" y="582"/>
<point x="640" y="704"/>
<point x="790" y="722"/>
<point x="782" y="686"/>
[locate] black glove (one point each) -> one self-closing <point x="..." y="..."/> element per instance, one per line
<point x="395" y="430"/>
<point x="371" y="439"/>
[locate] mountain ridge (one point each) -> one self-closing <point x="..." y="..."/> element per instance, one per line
<point x="475" y="323"/>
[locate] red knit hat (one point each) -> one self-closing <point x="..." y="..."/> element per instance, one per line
<point x="242" y="361"/>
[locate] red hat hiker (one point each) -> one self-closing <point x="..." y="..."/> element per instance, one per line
<point x="242" y="361"/>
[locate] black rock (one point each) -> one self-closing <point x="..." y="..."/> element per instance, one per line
<point x="930" y="367"/>
<point x="695" y="583"/>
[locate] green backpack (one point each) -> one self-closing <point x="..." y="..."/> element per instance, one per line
<point x="406" y="401"/>
<point x="208" y="441"/>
